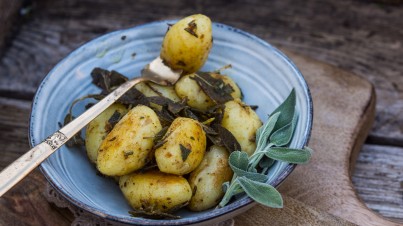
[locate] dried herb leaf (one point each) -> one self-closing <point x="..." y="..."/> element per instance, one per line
<point x="192" y="28"/>
<point x="77" y="139"/>
<point x="214" y="88"/>
<point x="127" y="153"/>
<point x="184" y="152"/>
<point x="158" y="138"/>
<point x="115" y="118"/>
<point x="134" y="97"/>
<point x="107" y="80"/>
<point x="227" y="138"/>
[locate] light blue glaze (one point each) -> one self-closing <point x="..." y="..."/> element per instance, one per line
<point x="265" y="75"/>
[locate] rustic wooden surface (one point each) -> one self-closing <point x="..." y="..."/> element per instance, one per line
<point x="364" y="37"/>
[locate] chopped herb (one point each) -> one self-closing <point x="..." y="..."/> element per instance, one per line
<point x="107" y="80"/>
<point x="123" y="37"/>
<point x="191" y="28"/>
<point x="127" y="153"/>
<point x="215" y="88"/>
<point x="184" y="152"/>
<point x="115" y="118"/>
<point x="227" y="138"/>
<point x="160" y="135"/>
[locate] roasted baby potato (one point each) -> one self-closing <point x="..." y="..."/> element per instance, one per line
<point x="183" y="147"/>
<point x="150" y="89"/>
<point x="128" y="146"/>
<point x="188" y="88"/>
<point x="187" y="43"/>
<point x="99" y="127"/>
<point x="242" y="122"/>
<point x="155" y="192"/>
<point x="207" y="179"/>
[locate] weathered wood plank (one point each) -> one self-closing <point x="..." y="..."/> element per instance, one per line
<point x="14" y="117"/>
<point x="378" y="178"/>
<point x="9" y="12"/>
<point x="25" y="204"/>
<point x="361" y="36"/>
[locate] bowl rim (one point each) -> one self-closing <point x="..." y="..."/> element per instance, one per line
<point x="239" y="204"/>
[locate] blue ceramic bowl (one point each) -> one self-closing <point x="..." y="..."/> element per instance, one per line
<point x="265" y="75"/>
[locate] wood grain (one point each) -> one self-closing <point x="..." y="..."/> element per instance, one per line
<point x="25" y="204"/>
<point x="361" y="36"/>
<point x="8" y="17"/>
<point x="337" y="137"/>
<point x="378" y="179"/>
<point x="293" y="213"/>
<point x="357" y="35"/>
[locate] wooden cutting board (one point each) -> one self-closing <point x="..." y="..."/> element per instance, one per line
<point x="321" y="192"/>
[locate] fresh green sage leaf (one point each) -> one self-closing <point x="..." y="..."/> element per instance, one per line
<point x="261" y="192"/>
<point x="239" y="159"/>
<point x="291" y="155"/>
<point x="250" y="175"/>
<point x="266" y="162"/>
<point x="282" y="136"/>
<point x="264" y="132"/>
<point x="287" y="109"/>
<point x="225" y="186"/>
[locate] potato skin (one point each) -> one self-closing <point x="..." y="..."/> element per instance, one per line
<point x="188" y="88"/>
<point x="150" y="89"/>
<point x="207" y="179"/>
<point x="128" y="146"/>
<point x="155" y="191"/>
<point x="186" y="51"/>
<point x="188" y="133"/>
<point x="242" y="122"/>
<point x="97" y="130"/>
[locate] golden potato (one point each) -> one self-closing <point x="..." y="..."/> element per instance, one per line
<point x="242" y="122"/>
<point x="187" y="43"/>
<point x="183" y="148"/>
<point x="154" y="191"/>
<point x="150" y="89"/>
<point x="97" y="129"/>
<point x="128" y="146"/>
<point x="188" y="88"/>
<point x="207" y="179"/>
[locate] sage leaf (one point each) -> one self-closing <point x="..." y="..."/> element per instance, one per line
<point x="261" y="192"/>
<point x="225" y="186"/>
<point x="264" y="132"/>
<point x="266" y="162"/>
<point x="287" y="109"/>
<point x="239" y="159"/>
<point x="291" y="155"/>
<point x="250" y="175"/>
<point x="283" y="136"/>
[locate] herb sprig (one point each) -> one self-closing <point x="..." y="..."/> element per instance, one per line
<point x="272" y="139"/>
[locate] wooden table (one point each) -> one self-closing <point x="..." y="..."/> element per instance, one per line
<point x="362" y="36"/>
